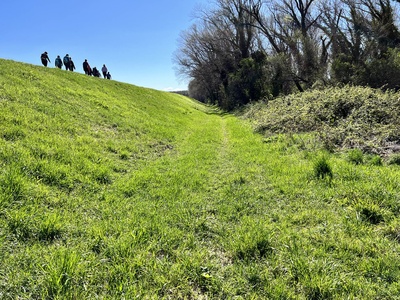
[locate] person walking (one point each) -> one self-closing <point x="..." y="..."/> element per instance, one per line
<point x="58" y="62"/>
<point x="104" y="71"/>
<point x="71" y="65"/>
<point x="44" y="58"/>
<point x="86" y="68"/>
<point x="66" y="61"/>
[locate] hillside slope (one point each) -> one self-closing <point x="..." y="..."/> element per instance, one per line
<point x="113" y="191"/>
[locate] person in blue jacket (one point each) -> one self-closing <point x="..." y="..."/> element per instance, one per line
<point x="66" y="61"/>
<point x="58" y="62"/>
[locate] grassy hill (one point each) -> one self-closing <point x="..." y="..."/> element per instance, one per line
<point x="113" y="191"/>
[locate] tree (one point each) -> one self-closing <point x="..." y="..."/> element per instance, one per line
<point x="242" y="50"/>
<point x="363" y="34"/>
<point x="213" y="50"/>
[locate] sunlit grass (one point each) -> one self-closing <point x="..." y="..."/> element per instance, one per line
<point x="113" y="191"/>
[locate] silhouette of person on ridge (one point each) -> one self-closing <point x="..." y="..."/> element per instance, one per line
<point x="66" y="61"/>
<point x="44" y="58"/>
<point x="71" y="64"/>
<point x="104" y="71"/>
<point x="58" y="62"/>
<point x="86" y="68"/>
<point x="96" y="72"/>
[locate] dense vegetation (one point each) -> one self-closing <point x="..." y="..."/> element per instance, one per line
<point x="240" y="51"/>
<point x="112" y="191"/>
<point x="341" y="118"/>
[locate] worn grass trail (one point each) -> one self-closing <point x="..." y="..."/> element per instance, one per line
<point x="111" y="191"/>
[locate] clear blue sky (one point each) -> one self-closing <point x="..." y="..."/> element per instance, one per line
<point x="135" y="39"/>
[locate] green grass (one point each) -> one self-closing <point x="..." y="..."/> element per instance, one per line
<point x="113" y="191"/>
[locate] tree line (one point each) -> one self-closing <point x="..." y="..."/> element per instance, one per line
<point x="240" y="51"/>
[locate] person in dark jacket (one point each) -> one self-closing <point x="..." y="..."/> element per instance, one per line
<point x="44" y="58"/>
<point x="66" y="61"/>
<point x="86" y="68"/>
<point x="71" y="65"/>
<point x="58" y="62"/>
<point x="96" y="72"/>
<point x="104" y="71"/>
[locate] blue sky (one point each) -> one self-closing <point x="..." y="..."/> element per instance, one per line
<point x="135" y="39"/>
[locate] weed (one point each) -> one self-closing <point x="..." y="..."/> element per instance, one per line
<point x="394" y="159"/>
<point x="62" y="273"/>
<point x="20" y="225"/>
<point x="252" y="242"/>
<point x="13" y="134"/>
<point x="370" y="212"/>
<point x="102" y="175"/>
<point x="124" y="155"/>
<point x="12" y="186"/>
<point x="50" y="228"/>
<point x="375" y="160"/>
<point x="322" y="168"/>
<point x="355" y="156"/>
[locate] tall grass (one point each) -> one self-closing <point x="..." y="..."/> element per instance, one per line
<point x="114" y="191"/>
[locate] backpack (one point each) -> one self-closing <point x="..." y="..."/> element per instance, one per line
<point x="66" y="60"/>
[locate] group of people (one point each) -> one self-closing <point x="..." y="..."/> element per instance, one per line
<point x="69" y="65"/>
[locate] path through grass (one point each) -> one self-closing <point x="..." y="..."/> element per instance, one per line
<point x="116" y="192"/>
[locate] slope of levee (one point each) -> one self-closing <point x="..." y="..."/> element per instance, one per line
<point x="113" y="191"/>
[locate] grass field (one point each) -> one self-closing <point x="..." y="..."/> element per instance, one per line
<point x="112" y="191"/>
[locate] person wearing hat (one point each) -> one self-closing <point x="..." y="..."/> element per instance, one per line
<point x="45" y="58"/>
<point x="66" y="61"/>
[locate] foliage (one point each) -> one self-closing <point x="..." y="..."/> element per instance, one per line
<point x="348" y="117"/>
<point x="119" y="192"/>
<point x="304" y="44"/>
<point x="394" y="159"/>
<point x="355" y="156"/>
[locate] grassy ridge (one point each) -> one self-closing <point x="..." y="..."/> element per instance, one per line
<point x="114" y="191"/>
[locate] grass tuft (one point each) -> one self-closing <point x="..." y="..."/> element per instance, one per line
<point x="394" y="159"/>
<point x="322" y="168"/>
<point x="355" y="156"/>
